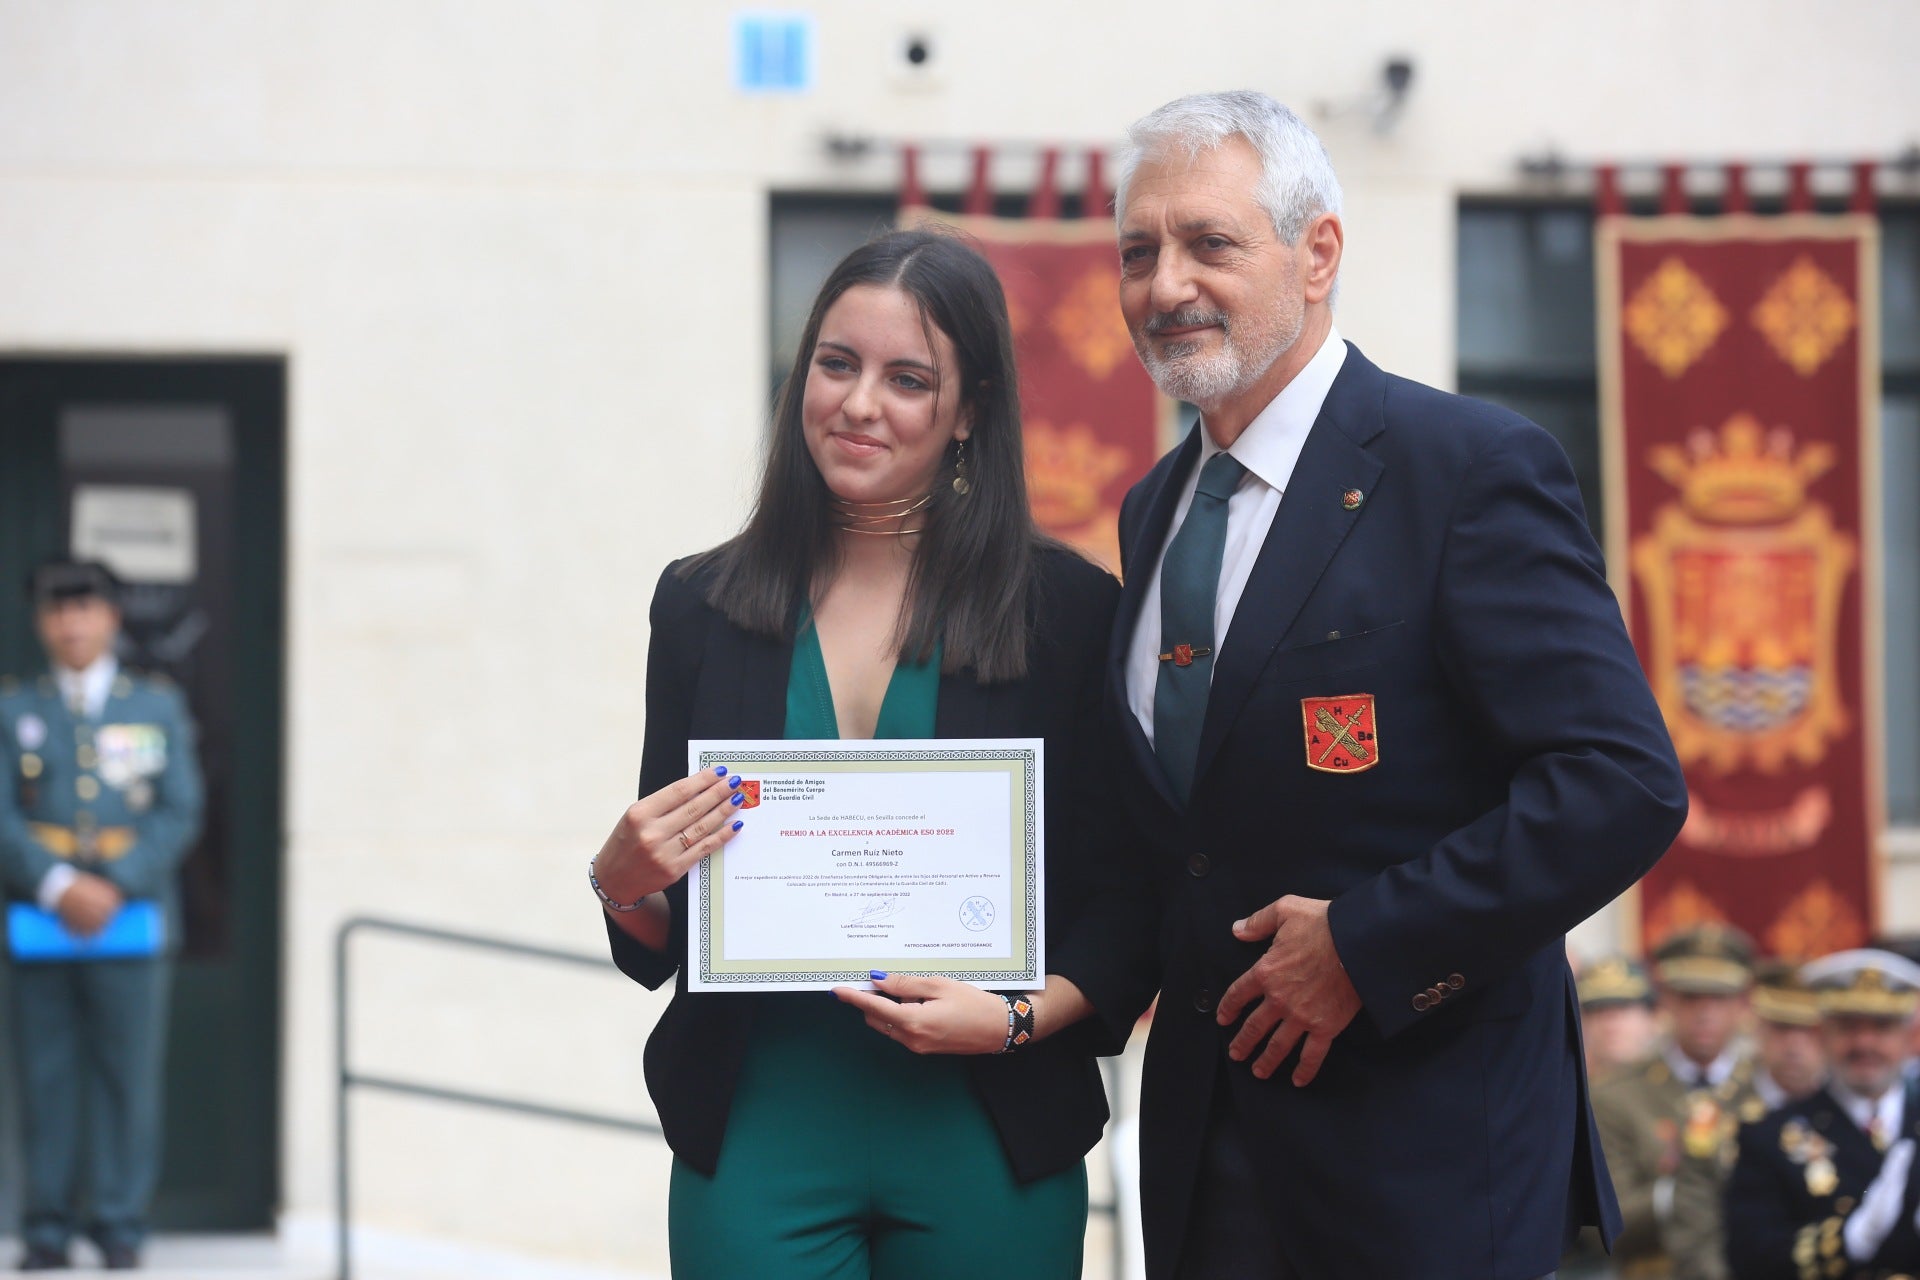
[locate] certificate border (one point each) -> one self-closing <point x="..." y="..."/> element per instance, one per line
<point x="761" y="981"/>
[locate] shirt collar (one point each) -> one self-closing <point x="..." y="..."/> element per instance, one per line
<point x="1688" y="1071"/>
<point x="1889" y="1106"/>
<point x="1271" y="444"/>
<point x="93" y="680"/>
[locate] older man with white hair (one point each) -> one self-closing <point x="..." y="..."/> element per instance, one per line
<point x="1389" y="740"/>
<point x="1825" y="1186"/>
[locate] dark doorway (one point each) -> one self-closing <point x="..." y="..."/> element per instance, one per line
<point x="174" y="472"/>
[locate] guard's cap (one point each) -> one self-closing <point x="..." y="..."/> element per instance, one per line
<point x="1868" y="983"/>
<point x="1612" y="981"/>
<point x="57" y="580"/>
<point x="1706" y="960"/>
<point x="1781" y="997"/>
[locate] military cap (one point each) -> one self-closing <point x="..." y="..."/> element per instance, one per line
<point x="1867" y="982"/>
<point x="57" y="580"/>
<point x="1611" y="981"/>
<point x="1707" y="960"/>
<point x="1780" y="996"/>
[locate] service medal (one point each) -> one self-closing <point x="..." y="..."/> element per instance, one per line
<point x="1702" y="1135"/>
<point x="1822" y="1177"/>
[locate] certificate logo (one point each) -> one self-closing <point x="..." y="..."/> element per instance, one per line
<point x="750" y="790"/>
<point x="976" y="913"/>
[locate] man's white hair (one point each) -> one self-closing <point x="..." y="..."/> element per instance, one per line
<point x="1297" y="183"/>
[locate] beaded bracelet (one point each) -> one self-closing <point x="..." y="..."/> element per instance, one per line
<point x="594" y="880"/>
<point x="1019" y="1022"/>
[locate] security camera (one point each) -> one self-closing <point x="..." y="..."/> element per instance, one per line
<point x="1380" y="105"/>
<point x="915" y="64"/>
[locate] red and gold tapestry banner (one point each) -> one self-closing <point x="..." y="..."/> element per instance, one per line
<point x="1739" y="397"/>
<point x="1093" y="420"/>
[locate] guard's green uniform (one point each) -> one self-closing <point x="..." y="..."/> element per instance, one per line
<point x="1652" y="1126"/>
<point x="848" y="1156"/>
<point x="118" y="795"/>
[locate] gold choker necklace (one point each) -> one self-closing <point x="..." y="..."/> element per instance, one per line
<point x="867" y="517"/>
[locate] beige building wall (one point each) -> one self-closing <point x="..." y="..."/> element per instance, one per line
<point x="515" y="257"/>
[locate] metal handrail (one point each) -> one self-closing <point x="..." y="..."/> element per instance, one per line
<point x="347" y="1079"/>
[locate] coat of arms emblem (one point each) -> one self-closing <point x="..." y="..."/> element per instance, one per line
<point x="1744" y="576"/>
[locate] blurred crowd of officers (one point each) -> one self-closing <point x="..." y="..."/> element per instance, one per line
<point x="1759" y="1118"/>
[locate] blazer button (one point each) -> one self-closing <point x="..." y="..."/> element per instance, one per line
<point x="1456" y="981"/>
<point x="1203" y="1000"/>
<point x="1198" y="865"/>
<point x="1422" y="1002"/>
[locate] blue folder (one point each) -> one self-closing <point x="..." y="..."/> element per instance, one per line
<point x="138" y="930"/>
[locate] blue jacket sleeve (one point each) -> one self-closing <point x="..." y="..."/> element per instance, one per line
<point x="1531" y="641"/>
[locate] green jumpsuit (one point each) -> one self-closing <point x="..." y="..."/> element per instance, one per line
<point x="848" y="1156"/>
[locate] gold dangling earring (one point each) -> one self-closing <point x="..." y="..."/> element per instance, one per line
<point x="961" y="485"/>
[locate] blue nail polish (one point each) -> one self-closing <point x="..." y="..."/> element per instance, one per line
<point x="737" y="799"/>
<point x="735" y="780"/>
<point x="738" y="825"/>
<point x="878" y="976"/>
<point x="720" y="770"/>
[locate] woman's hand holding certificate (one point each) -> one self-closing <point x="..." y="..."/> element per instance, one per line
<point x="658" y="840"/>
<point x="931" y="1015"/>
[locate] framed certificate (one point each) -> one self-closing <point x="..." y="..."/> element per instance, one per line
<point x="907" y="856"/>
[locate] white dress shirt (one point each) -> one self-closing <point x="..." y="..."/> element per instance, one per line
<point x="1890" y="1107"/>
<point x="1268" y="448"/>
<point x="90" y="685"/>
<point x="1688" y="1072"/>
<point x="86" y="689"/>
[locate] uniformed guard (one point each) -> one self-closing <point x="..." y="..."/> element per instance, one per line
<point x="1616" y="1015"/>
<point x="1789" y="1064"/>
<point x="1824" y="1187"/>
<point x="1685" y="1101"/>
<point x="101" y="800"/>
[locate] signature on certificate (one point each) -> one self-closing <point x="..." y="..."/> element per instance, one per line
<point x="877" y="909"/>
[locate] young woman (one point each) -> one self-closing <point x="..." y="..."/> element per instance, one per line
<point x="889" y="583"/>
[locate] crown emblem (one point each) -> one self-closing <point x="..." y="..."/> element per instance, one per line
<point x="1743" y="475"/>
<point x="1068" y="468"/>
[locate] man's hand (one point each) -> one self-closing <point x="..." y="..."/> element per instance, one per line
<point x="1299" y="987"/>
<point x="89" y="903"/>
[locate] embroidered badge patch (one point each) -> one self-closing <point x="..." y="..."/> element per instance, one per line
<point x="1342" y="733"/>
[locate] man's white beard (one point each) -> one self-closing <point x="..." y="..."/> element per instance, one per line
<point x="1181" y="372"/>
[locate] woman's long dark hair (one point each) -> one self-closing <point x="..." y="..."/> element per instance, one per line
<point x="973" y="570"/>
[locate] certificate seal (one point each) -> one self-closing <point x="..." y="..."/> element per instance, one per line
<point x="977" y="913"/>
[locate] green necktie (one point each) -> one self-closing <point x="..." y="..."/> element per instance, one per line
<point x="1189" y="582"/>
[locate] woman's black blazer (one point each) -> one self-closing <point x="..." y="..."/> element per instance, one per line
<point x="707" y="678"/>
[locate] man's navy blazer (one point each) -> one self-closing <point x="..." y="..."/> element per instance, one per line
<point x="1430" y="554"/>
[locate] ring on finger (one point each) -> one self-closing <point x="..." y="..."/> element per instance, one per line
<point x="684" y="842"/>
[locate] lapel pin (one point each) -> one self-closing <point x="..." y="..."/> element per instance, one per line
<point x="1352" y="499"/>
